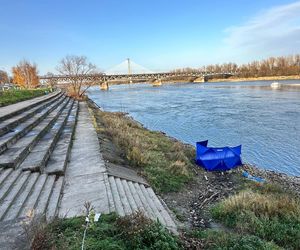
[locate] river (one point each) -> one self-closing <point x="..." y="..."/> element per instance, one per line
<point x="265" y="121"/>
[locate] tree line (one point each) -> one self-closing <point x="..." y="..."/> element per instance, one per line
<point x="24" y="75"/>
<point x="272" y="66"/>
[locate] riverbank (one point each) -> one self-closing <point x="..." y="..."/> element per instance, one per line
<point x="252" y="79"/>
<point x="200" y="202"/>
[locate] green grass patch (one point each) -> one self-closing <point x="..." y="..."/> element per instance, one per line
<point x="164" y="162"/>
<point x="8" y="97"/>
<point x="224" y="240"/>
<point x="110" y="233"/>
<point x="265" y="211"/>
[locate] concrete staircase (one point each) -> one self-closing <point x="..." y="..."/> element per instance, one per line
<point x="50" y="165"/>
<point x="109" y="189"/>
<point x="32" y="139"/>
<point x="126" y="196"/>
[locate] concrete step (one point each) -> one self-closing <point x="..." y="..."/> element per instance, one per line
<point x="42" y="203"/>
<point x="163" y="209"/>
<point x="31" y="201"/>
<point x="136" y="197"/>
<point x="116" y="196"/>
<point x="8" y="182"/>
<point x="7" y="140"/>
<point x="39" y="155"/>
<point x="111" y="203"/>
<point x="18" y="108"/>
<point x="27" y="194"/>
<point x="24" y="193"/>
<point x="124" y="198"/>
<point x="4" y="173"/>
<point x="129" y="197"/>
<point x="60" y="155"/>
<point x="152" y="205"/>
<point x="9" y="124"/>
<point x="52" y="208"/>
<point x="10" y="197"/>
<point x="144" y="201"/>
<point x="17" y="153"/>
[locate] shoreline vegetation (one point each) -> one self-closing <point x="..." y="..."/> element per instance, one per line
<point x="8" y="97"/>
<point x="215" y="210"/>
<point x="253" y="79"/>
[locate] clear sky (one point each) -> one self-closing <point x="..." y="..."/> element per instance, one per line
<point x="158" y="34"/>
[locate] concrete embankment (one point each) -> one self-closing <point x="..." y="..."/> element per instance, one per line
<point x="51" y="165"/>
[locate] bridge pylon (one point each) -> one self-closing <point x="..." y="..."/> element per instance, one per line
<point x="199" y="79"/>
<point x="104" y="85"/>
<point x="157" y="82"/>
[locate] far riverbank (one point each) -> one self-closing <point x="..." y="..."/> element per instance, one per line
<point x="252" y="79"/>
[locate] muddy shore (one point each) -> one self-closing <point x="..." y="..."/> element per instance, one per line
<point x="191" y="205"/>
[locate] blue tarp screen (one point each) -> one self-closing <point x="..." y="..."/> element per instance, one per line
<point x="218" y="159"/>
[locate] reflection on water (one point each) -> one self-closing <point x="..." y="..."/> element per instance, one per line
<point x="265" y="121"/>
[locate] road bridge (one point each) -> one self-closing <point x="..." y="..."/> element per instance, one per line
<point x="156" y="78"/>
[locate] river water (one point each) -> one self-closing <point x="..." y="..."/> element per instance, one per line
<point x="265" y="121"/>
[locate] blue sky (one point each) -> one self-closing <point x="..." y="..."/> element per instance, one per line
<point x="158" y="34"/>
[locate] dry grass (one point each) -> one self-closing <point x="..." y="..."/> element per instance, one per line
<point x="163" y="161"/>
<point x="35" y="228"/>
<point x="263" y="204"/>
<point x="266" y="213"/>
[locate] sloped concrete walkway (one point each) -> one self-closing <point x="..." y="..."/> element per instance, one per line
<point x="85" y="173"/>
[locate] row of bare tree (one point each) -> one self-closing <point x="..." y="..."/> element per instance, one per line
<point x="273" y="66"/>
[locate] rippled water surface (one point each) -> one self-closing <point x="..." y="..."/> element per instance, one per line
<point x="265" y="121"/>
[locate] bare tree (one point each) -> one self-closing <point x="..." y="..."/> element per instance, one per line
<point x="77" y="67"/>
<point x="50" y="82"/>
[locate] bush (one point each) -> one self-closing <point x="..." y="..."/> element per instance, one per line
<point x="140" y="232"/>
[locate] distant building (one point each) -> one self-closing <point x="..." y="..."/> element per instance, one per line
<point x="7" y="86"/>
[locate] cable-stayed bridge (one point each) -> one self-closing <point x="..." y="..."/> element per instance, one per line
<point x="129" y="71"/>
<point x="128" y="67"/>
